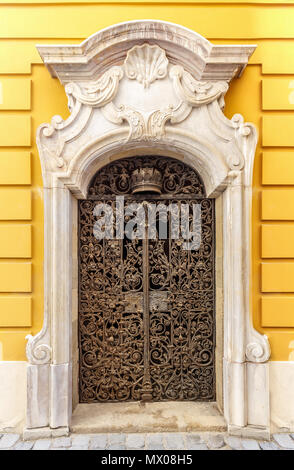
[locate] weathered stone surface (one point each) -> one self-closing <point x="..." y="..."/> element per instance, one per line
<point x="23" y="445"/>
<point x="9" y="440"/>
<point x="268" y="445"/>
<point x="112" y="417"/>
<point x="116" y="439"/>
<point x="116" y="447"/>
<point x="61" y="442"/>
<point x="197" y="447"/>
<point x="174" y="441"/>
<point x="36" y="434"/>
<point x="284" y="440"/>
<point x="250" y="444"/>
<point x="78" y="448"/>
<point x="234" y="442"/>
<point x="42" y="444"/>
<point x="98" y="442"/>
<point x="80" y="440"/>
<point x="215" y="441"/>
<point x="135" y="441"/>
<point x="61" y="431"/>
<point x="192" y="440"/>
<point x="154" y="441"/>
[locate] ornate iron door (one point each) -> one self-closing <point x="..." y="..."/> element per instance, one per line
<point x="146" y="305"/>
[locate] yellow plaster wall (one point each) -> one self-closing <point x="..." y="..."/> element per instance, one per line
<point x="29" y="96"/>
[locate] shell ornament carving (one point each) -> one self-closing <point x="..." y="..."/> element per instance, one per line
<point x="146" y="64"/>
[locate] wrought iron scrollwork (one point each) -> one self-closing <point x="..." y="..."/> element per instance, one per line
<point x="146" y="306"/>
<point x="177" y="178"/>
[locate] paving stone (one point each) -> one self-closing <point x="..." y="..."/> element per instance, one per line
<point x="197" y="447"/>
<point x="268" y="445"/>
<point x="23" y="445"/>
<point x="80" y="440"/>
<point x="98" y="442"/>
<point x="116" y="439"/>
<point x="61" y="442"/>
<point x="78" y="448"/>
<point x="192" y="440"/>
<point x="284" y="440"/>
<point x="250" y="444"/>
<point x="233" y="442"/>
<point x="135" y="441"/>
<point x="215" y="441"/>
<point x="154" y="441"/>
<point x="151" y="441"/>
<point x="116" y="447"/>
<point x="8" y="440"/>
<point x="174" y="441"/>
<point x="42" y="444"/>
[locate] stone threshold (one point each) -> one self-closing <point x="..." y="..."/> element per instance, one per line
<point x="147" y="417"/>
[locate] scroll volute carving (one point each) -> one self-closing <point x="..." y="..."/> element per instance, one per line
<point x="145" y="64"/>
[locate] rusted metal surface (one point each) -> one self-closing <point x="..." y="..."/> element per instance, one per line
<point x="146" y="306"/>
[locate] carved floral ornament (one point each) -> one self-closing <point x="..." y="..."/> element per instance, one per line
<point x="145" y="64"/>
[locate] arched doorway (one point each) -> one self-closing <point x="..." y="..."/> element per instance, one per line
<point x="146" y="284"/>
<point x="174" y="109"/>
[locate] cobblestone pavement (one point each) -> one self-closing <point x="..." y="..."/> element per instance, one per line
<point x="151" y="441"/>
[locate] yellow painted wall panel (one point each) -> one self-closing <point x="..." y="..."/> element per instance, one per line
<point x="15" y="311"/>
<point x="17" y="57"/>
<point x="13" y="345"/>
<point x="277" y="241"/>
<point x="277" y="130"/>
<point x="15" y="204"/>
<point x="15" y="277"/>
<point x="277" y="204"/>
<point x="15" y="241"/>
<point x="274" y="55"/>
<point x="277" y="2"/>
<point x="15" y="93"/>
<point x="277" y="58"/>
<point x="277" y="311"/>
<point x="282" y="344"/>
<point x="277" y="277"/>
<point x="15" y="130"/>
<point x="15" y="167"/>
<point x="278" y="168"/>
<point x="212" y="21"/>
<point x="278" y="93"/>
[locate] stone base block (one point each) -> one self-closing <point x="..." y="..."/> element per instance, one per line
<point x="44" y="433"/>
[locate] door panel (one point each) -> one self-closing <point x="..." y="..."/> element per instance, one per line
<point x="146" y="306"/>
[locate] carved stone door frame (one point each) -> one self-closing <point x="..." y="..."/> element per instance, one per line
<point x="139" y="88"/>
